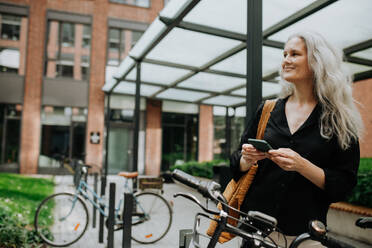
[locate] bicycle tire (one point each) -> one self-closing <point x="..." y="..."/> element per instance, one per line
<point x="63" y="232"/>
<point x="151" y="219"/>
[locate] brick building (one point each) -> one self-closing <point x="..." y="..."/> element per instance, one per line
<point x="54" y="58"/>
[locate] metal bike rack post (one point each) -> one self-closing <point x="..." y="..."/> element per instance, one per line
<point x="111" y="216"/>
<point x="95" y="179"/>
<point x="127" y="220"/>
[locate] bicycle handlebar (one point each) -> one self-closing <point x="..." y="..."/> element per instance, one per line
<point x="207" y="189"/>
<point x="334" y="243"/>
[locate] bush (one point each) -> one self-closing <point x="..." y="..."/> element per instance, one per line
<point x="362" y="193"/>
<point x="203" y="169"/>
<point x="14" y="231"/>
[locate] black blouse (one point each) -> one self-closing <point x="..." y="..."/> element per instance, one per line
<point x="287" y="195"/>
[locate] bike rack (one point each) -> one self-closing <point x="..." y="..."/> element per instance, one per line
<point x="111" y="216"/>
<point x="127" y="218"/>
<point x="95" y="180"/>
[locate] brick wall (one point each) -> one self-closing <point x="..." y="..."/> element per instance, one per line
<point x="362" y="93"/>
<point x="205" y="133"/>
<point x="30" y="130"/>
<point x="153" y="137"/>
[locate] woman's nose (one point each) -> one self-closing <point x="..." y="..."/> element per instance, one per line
<point x="287" y="60"/>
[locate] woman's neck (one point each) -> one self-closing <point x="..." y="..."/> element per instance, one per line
<point x="303" y="94"/>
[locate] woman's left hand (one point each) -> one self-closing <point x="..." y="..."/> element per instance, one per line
<point x="287" y="159"/>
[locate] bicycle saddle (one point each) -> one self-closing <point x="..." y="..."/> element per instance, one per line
<point x="127" y="174"/>
<point x="364" y="222"/>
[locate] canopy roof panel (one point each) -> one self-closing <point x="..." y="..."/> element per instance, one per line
<point x="195" y="51"/>
<point x="190" y="48"/>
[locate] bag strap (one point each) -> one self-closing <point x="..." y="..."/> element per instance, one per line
<point x="265" y="116"/>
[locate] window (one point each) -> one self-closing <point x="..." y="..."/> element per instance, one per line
<point x="10" y="125"/>
<point x="9" y="60"/>
<point x="68" y="43"/>
<point x="63" y="133"/>
<point x="136" y="35"/>
<point x="140" y="3"/>
<point x="180" y="138"/>
<point x="120" y="42"/>
<point x="68" y="34"/>
<point x="12" y="52"/>
<point x="10" y="27"/>
<point x="86" y="36"/>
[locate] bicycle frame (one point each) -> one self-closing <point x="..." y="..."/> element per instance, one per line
<point x="83" y="187"/>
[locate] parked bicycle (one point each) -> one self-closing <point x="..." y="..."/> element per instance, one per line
<point x="66" y="216"/>
<point x="259" y="224"/>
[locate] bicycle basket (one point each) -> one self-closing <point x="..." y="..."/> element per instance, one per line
<point x="150" y="182"/>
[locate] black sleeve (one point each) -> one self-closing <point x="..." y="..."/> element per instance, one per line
<point x="249" y="132"/>
<point x="341" y="178"/>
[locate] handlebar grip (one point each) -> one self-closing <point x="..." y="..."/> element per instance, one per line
<point x="186" y="179"/>
<point x="334" y="243"/>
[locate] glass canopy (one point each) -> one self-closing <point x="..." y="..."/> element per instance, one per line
<point x="195" y="51"/>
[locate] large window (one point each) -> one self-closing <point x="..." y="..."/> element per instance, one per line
<point x="12" y="49"/>
<point x="10" y="27"/>
<point x="120" y="41"/>
<point x="222" y="146"/>
<point x="10" y="126"/>
<point x="63" y="133"/>
<point x="68" y="50"/>
<point x="180" y="142"/>
<point x="140" y="3"/>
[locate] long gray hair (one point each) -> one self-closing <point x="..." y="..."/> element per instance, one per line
<point x="332" y="88"/>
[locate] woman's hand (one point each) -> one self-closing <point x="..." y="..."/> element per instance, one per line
<point x="250" y="156"/>
<point x="287" y="159"/>
<point x="290" y="160"/>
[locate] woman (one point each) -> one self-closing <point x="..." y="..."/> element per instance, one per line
<point x="313" y="129"/>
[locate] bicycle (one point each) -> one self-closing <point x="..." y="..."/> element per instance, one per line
<point x="257" y="226"/>
<point x="65" y="215"/>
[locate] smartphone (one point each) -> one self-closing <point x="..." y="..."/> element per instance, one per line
<point x="260" y="145"/>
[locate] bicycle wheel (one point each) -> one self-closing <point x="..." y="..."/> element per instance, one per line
<point x="61" y="219"/>
<point x="152" y="217"/>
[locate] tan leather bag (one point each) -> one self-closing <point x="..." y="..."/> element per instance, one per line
<point x="235" y="191"/>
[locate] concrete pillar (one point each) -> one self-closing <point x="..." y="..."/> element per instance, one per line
<point x="153" y="137"/>
<point x="95" y="121"/>
<point x="205" y="133"/>
<point x="361" y="92"/>
<point x="31" y="119"/>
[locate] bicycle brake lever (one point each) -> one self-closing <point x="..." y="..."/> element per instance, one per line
<point x="194" y="199"/>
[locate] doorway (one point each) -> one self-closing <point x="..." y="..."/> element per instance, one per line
<point x="120" y="147"/>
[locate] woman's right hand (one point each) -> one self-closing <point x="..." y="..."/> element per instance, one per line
<point x="250" y="156"/>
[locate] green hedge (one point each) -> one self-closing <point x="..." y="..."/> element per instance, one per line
<point x="362" y="193"/>
<point x="203" y="169"/>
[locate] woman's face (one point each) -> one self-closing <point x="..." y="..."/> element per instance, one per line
<point x="295" y="67"/>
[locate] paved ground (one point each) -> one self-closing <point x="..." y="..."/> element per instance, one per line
<point x="183" y="218"/>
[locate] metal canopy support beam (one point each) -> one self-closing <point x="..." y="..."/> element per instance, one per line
<point x="227" y="134"/>
<point x="362" y="75"/>
<point x="273" y="44"/>
<point x="299" y="15"/>
<point x="205" y="29"/>
<point x="358" y="47"/>
<point x="136" y="118"/>
<point x="359" y="61"/>
<point x="254" y="57"/>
